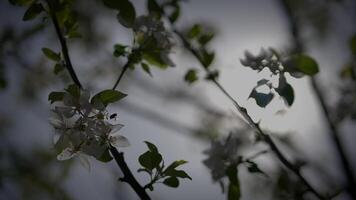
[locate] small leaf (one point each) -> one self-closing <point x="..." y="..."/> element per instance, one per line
<point x="175" y="14"/>
<point x="212" y="75"/>
<point x="171" y="182"/>
<point x="150" y="160"/>
<point x="51" y="54"/>
<point x="262" y="99"/>
<point x="205" y="39"/>
<point x="154" y="58"/>
<point x="108" y="96"/>
<point x="191" y="76"/>
<point x="178" y="173"/>
<point x="55" y="96"/>
<point x="285" y="90"/>
<point x="127" y="14"/>
<point x="146" y="68"/>
<point x="105" y="157"/>
<point x="303" y="63"/>
<point x="34" y="10"/>
<point x="119" y="50"/>
<point x="194" y="31"/>
<point x="253" y="168"/>
<point x="154" y="9"/>
<point x="174" y="165"/>
<point x="207" y="58"/>
<point x="73" y="90"/>
<point x="58" y="68"/>
<point x="151" y="147"/>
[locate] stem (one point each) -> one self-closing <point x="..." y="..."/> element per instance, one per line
<point x="334" y="132"/>
<point x="118" y="156"/>
<point x="124" y="69"/>
<point x="63" y="42"/>
<point x="128" y="176"/>
<point x="249" y="120"/>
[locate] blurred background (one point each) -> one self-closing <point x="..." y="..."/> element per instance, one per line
<point x="180" y="119"/>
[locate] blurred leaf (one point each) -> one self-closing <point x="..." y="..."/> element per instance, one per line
<point x="34" y="10"/>
<point x="119" y="50"/>
<point x="205" y="38"/>
<point x="262" y="99"/>
<point x="58" y="68"/>
<point x="108" y="96"/>
<point x="51" y="54"/>
<point x="151" y="147"/>
<point x="253" y="168"/>
<point x="55" y="96"/>
<point x="127" y="14"/>
<point x="194" y="31"/>
<point x="191" y="76"/>
<point x="353" y="45"/>
<point x="175" y="14"/>
<point x="154" y="58"/>
<point x="303" y="63"/>
<point x="105" y="157"/>
<point x="212" y="75"/>
<point x="207" y="58"/>
<point x="285" y="90"/>
<point x="146" y="68"/>
<point x="234" y="192"/>
<point x="171" y="182"/>
<point x="73" y="90"/>
<point x="177" y="173"/>
<point x="154" y="9"/>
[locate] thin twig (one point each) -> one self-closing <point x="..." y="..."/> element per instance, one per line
<point x="334" y="132"/>
<point x="249" y="120"/>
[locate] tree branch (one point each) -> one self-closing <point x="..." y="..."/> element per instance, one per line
<point x="118" y="156"/>
<point x="63" y="42"/>
<point x="334" y="133"/>
<point x="249" y="120"/>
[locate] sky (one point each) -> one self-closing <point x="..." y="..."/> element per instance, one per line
<point x="241" y="25"/>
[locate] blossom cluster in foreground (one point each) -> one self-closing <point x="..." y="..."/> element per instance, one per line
<point x="82" y="125"/>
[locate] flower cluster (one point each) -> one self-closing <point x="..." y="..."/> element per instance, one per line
<point x="266" y="58"/>
<point x="221" y="155"/>
<point x="83" y="126"/>
<point x="152" y="37"/>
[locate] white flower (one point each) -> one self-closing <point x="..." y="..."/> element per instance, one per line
<point x="117" y="140"/>
<point x="222" y="154"/>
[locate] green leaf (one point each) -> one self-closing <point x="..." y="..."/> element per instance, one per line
<point x="194" y="31"/>
<point x="171" y="182"/>
<point x="175" y="14"/>
<point x="108" y="96"/>
<point x="178" y="173"/>
<point x="207" y="58"/>
<point x="127" y="14"/>
<point x="262" y="99"/>
<point x="51" y="54"/>
<point x="253" y="168"/>
<point x="154" y="58"/>
<point x="119" y="50"/>
<point x="212" y="75"/>
<point x="73" y="90"/>
<point x="105" y="157"/>
<point x="234" y="192"/>
<point x="154" y="9"/>
<point x="151" y="147"/>
<point x="34" y="10"/>
<point x="353" y="45"/>
<point x="146" y="68"/>
<point x="58" y="68"/>
<point x="234" y="185"/>
<point x="205" y="39"/>
<point x="191" y="76"/>
<point x="150" y="160"/>
<point x="285" y="90"/>
<point x="303" y="63"/>
<point x="55" y="96"/>
<point x="174" y="165"/>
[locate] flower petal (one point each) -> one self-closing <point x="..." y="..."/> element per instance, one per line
<point x="66" y="154"/>
<point x="115" y="128"/>
<point x="119" y="141"/>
